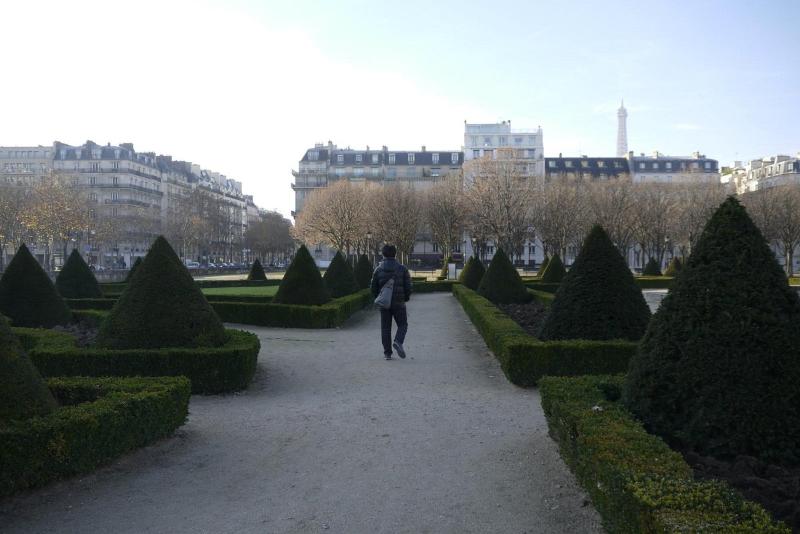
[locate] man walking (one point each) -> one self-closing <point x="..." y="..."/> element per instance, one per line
<point x="391" y="269"/>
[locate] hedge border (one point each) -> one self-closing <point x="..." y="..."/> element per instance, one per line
<point x="99" y="420"/>
<point x="211" y="370"/>
<point x="525" y="359"/>
<point x="644" y="282"/>
<point x="329" y="315"/>
<point x="636" y="482"/>
<point x="434" y="286"/>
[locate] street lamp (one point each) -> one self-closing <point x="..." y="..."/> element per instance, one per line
<point x="474" y="241"/>
<point x="369" y="246"/>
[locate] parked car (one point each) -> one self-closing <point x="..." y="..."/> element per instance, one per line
<point x="192" y="264"/>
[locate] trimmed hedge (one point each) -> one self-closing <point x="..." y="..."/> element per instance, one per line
<point x="525" y="359"/>
<point x="554" y="272"/>
<point x="76" y="281"/>
<point x="433" y="286"/>
<point x="212" y="370"/>
<point x="501" y="283"/>
<point x="339" y="278"/>
<point x="302" y="284"/>
<point x="208" y="284"/>
<point x="91" y="304"/>
<point x="636" y="482"/>
<point x="652" y="268"/>
<point x="133" y="269"/>
<point x="329" y="315"/>
<point x="675" y="266"/>
<point x="472" y="273"/>
<point x="363" y="272"/>
<point x="541" y="286"/>
<point x="653" y="282"/>
<point x="99" y="420"/>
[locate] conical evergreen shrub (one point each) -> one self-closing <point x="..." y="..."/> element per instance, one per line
<point x="718" y="370"/>
<point x="76" y="280"/>
<point x="23" y="393"/>
<point x="598" y="298"/>
<point x="555" y="271"/>
<point x="339" y="278"/>
<point x="257" y="271"/>
<point x="674" y="267"/>
<point x="543" y="266"/>
<point x="28" y="297"/>
<point x="302" y="283"/>
<point x="473" y="273"/>
<point x="652" y="268"/>
<point x="161" y="307"/>
<point x="134" y="267"/>
<point x="363" y="272"/>
<point x="501" y="284"/>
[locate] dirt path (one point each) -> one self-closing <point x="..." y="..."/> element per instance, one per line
<point x="332" y="438"/>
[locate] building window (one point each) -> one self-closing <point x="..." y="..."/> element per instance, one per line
<point x="655" y="166"/>
<point x="374" y="159"/>
<point x="503" y="140"/>
<point x="454" y="158"/>
<point x="487" y="141"/>
<point x="358" y="158"/>
<point x="435" y="158"/>
<point x="585" y="164"/>
<point x="411" y="158"/>
<point x="340" y="158"/>
<point x="601" y="164"/>
<point x="489" y="153"/>
<point x="490" y="249"/>
<point x="391" y="159"/>
<point x="95" y="167"/>
<point x="93" y="197"/>
<point x="708" y="165"/>
<point x="551" y="164"/>
<point x="411" y="172"/>
<point x="313" y="155"/>
<point x="92" y="180"/>
<point x="391" y="173"/>
<point x="436" y="172"/>
<point x="529" y="152"/>
<point x="568" y="164"/>
<point x="617" y="165"/>
<point x="518" y="140"/>
<point x="476" y="153"/>
<point x="115" y="180"/>
<point x="436" y="247"/>
<point x="376" y="171"/>
<point x="339" y="171"/>
<point x="114" y="196"/>
<point x="115" y="165"/>
<point x="641" y="166"/>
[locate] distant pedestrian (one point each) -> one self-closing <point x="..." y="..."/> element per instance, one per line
<point x="391" y="269"/>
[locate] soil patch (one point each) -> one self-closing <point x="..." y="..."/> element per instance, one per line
<point x="83" y="333"/>
<point x="776" y="488"/>
<point x="529" y="316"/>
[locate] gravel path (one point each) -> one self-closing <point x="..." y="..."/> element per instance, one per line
<point x="332" y="438"/>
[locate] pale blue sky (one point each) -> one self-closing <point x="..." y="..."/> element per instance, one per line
<point x="245" y="87"/>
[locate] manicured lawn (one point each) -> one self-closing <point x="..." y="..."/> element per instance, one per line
<point x="266" y="291"/>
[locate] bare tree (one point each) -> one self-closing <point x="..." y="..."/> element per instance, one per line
<point x="500" y="199"/>
<point x="395" y="216"/>
<point x="612" y="207"/>
<point x="776" y="210"/>
<point x="654" y="212"/>
<point x="562" y="215"/>
<point x="334" y="215"/>
<point x="271" y="237"/>
<point x="445" y="213"/>
<point x="695" y="203"/>
<point x="14" y="202"/>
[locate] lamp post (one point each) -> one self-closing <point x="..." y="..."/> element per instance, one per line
<point x="474" y="241"/>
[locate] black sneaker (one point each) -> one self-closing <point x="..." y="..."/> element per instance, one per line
<point x="387" y="356"/>
<point x="400" y="350"/>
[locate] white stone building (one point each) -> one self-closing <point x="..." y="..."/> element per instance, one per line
<point x="757" y="174"/>
<point x="497" y="140"/>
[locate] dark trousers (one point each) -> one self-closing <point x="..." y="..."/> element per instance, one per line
<point x="399" y="315"/>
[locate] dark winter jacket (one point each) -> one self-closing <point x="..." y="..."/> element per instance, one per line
<point x="387" y="269"/>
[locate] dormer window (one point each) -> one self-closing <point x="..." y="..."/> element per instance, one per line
<point x="411" y="158"/>
<point x="435" y="158"/>
<point x="340" y="158"/>
<point x="391" y="159"/>
<point x="454" y="158"/>
<point x="358" y="158"/>
<point x="374" y="159"/>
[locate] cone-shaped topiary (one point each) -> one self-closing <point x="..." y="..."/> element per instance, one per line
<point x="134" y="267"/>
<point x="28" y="297"/>
<point x="23" y="393"/>
<point x="674" y="267"/>
<point x="719" y="367"/>
<point x="76" y="281"/>
<point x="363" y="272"/>
<point x="555" y="271"/>
<point x="543" y="266"/>
<point x="501" y="284"/>
<point x="302" y="283"/>
<point x="473" y="273"/>
<point x="257" y="271"/>
<point x="161" y="307"/>
<point x="598" y="298"/>
<point x="652" y="268"/>
<point x="339" y="278"/>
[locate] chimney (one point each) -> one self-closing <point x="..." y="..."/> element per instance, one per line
<point x="423" y="148"/>
<point x="384" y="148"/>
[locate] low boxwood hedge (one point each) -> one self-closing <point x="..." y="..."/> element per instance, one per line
<point x="525" y="359"/>
<point x="543" y="286"/>
<point x="212" y="370"/>
<point x="99" y="419"/>
<point x="636" y="482"/>
<point x="206" y="284"/>
<point x="91" y="304"/>
<point x="653" y="282"/>
<point x="329" y="315"/>
<point x="433" y="286"/>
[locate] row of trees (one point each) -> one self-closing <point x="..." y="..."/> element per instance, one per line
<point x="495" y="203"/>
<point x="55" y="214"/>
